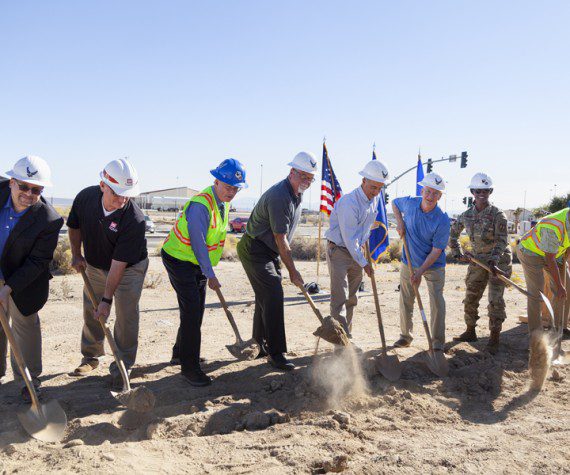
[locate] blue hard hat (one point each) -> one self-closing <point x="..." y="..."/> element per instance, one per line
<point x="231" y="172"/>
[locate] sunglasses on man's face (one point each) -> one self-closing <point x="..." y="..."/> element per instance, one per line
<point x="481" y="192"/>
<point x="36" y="190"/>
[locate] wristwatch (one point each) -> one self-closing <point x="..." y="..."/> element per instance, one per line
<point x="106" y="300"/>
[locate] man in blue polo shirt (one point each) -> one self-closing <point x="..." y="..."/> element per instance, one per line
<point x="426" y="228"/>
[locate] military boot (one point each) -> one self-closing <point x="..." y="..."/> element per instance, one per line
<point x="468" y="335"/>
<point x="493" y="343"/>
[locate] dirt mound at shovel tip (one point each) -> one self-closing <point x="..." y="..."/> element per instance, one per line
<point x="139" y="399"/>
<point x="332" y="331"/>
<point x="539" y="360"/>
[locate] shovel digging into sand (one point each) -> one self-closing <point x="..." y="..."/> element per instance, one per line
<point x="43" y="421"/>
<point x="139" y="399"/>
<point x="436" y="361"/>
<point x="330" y="329"/>
<point x="387" y="365"/>
<point x="242" y="350"/>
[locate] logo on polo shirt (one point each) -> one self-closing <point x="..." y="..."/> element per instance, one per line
<point x="113" y="226"/>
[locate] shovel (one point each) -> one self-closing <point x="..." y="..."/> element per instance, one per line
<point x="242" y="350"/>
<point x="387" y="365"/>
<point x="43" y="421"/>
<point x="330" y="329"/>
<point x="508" y="281"/>
<point x="436" y="361"/>
<point x="139" y="399"/>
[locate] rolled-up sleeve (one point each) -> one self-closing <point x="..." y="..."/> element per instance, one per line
<point x="198" y="219"/>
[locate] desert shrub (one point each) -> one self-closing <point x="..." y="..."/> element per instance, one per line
<point x="63" y="211"/>
<point x="305" y="249"/>
<point x="230" y="251"/>
<point x="61" y="263"/>
<point x="152" y="280"/>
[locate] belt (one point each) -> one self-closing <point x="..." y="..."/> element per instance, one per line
<point x="334" y="244"/>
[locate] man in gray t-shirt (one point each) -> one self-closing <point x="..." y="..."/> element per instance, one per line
<point x="265" y="244"/>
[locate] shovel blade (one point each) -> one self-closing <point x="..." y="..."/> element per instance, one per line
<point x="548" y="305"/>
<point x="437" y="363"/>
<point x="244" y="351"/>
<point x="47" y="423"/>
<point x="388" y="366"/>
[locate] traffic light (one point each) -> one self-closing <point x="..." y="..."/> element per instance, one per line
<point x="386" y="198"/>
<point x="429" y="165"/>
<point x="465" y="200"/>
<point x="463" y="159"/>
<point x="470" y="202"/>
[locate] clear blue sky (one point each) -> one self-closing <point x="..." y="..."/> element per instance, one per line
<point x="179" y="85"/>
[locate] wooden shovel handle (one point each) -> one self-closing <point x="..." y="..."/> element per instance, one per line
<point x="229" y="315"/>
<point x="25" y="373"/>
<point x="418" y="297"/>
<point x="506" y="280"/>
<point x="107" y="331"/>
<point x="376" y="299"/>
<point x="312" y="303"/>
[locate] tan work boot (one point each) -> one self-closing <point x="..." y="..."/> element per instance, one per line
<point x="468" y="335"/>
<point x="86" y="367"/>
<point x="493" y="343"/>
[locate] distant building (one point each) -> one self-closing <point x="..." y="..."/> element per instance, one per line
<point x="169" y="199"/>
<point x="525" y="215"/>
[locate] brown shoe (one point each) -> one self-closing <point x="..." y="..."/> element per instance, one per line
<point x="493" y="343"/>
<point x="86" y="367"/>
<point x="468" y="335"/>
<point x="402" y="343"/>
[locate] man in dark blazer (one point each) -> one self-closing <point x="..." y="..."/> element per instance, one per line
<point x="29" y="230"/>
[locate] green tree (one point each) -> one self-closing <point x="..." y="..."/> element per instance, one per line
<point x="557" y="203"/>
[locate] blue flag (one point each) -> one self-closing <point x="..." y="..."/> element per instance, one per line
<point x="419" y="176"/>
<point x="379" y="239"/>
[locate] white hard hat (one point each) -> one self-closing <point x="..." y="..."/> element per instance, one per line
<point x="305" y="162"/>
<point x="121" y="177"/>
<point x="481" y="181"/>
<point x="33" y="170"/>
<point x="433" y="180"/>
<point x="375" y="170"/>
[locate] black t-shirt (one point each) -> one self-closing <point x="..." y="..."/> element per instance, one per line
<point x="119" y="236"/>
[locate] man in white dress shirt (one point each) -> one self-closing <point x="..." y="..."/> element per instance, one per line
<point x="350" y="224"/>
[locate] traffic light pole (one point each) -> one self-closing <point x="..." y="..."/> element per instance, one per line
<point x="451" y="158"/>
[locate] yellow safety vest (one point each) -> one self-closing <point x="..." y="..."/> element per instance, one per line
<point x="556" y="222"/>
<point x="177" y="243"/>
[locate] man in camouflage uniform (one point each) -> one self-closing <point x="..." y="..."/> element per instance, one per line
<point x="486" y="226"/>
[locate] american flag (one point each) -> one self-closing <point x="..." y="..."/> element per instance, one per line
<point x="330" y="187"/>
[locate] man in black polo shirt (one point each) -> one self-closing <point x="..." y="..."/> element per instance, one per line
<point x="111" y="228"/>
<point x="267" y="238"/>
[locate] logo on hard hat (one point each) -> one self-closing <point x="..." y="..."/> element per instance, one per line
<point x="239" y="175"/>
<point x="438" y="182"/>
<point x="129" y="182"/>
<point x="313" y="163"/>
<point x="384" y="174"/>
<point x="485" y="182"/>
<point x="29" y="173"/>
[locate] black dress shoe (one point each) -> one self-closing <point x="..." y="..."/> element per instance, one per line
<point x="279" y="361"/>
<point x="197" y="377"/>
<point x="566" y="334"/>
<point x="262" y="352"/>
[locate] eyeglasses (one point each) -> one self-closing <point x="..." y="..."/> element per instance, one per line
<point x="306" y="178"/>
<point x="36" y="190"/>
<point x="480" y="192"/>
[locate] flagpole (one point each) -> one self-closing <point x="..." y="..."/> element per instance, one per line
<point x="319" y="246"/>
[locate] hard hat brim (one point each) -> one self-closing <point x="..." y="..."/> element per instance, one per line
<point x="370" y="177"/>
<point x="432" y="186"/>
<point x="296" y="166"/>
<point x="31" y="181"/>
<point x="126" y="192"/>
<point x="217" y="176"/>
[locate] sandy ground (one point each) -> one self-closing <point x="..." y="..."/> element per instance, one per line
<point x="323" y="416"/>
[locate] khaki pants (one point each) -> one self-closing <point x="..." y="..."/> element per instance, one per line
<point x="126" y="303"/>
<point x="533" y="268"/>
<point x="27" y="332"/>
<point x="435" y="280"/>
<point x="346" y="276"/>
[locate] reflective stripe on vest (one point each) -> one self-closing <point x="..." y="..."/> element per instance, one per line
<point x="177" y="243"/>
<point x="557" y="223"/>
